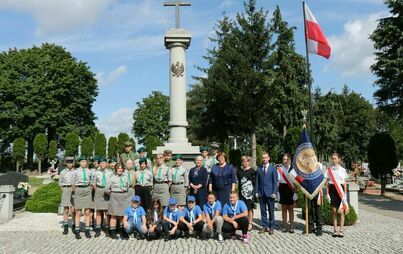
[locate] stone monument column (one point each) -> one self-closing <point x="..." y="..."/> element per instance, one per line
<point x="177" y="40"/>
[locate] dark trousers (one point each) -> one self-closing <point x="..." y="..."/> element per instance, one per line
<point x="196" y="227"/>
<point x="145" y="195"/>
<point x="315" y="214"/>
<point x="267" y="203"/>
<point x="161" y="227"/>
<point x="166" y="226"/>
<point x="243" y="224"/>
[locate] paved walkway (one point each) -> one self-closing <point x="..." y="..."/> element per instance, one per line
<point x="381" y="205"/>
<point x="41" y="233"/>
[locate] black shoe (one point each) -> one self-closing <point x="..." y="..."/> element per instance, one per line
<point x="73" y="228"/>
<point x="97" y="232"/>
<point x="107" y="233"/>
<point x="87" y="234"/>
<point x="78" y="236"/>
<point x="66" y="229"/>
<point x="319" y="232"/>
<point x="113" y="235"/>
<point x="204" y="235"/>
<point x="124" y="236"/>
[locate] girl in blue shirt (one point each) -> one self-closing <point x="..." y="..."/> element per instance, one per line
<point x="212" y="214"/>
<point x="235" y="215"/>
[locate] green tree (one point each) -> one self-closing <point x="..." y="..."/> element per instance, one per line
<point x="72" y="143"/>
<point x="19" y="149"/>
<point x="122" y="139"/>
<point x="151" y="117"/>
<point x="40" y="148"/>
<point x="388" y="43"/>
<point x="87" y="147"/>
<point x="100" y="144"/>
<point x="382" y="157"/>
<point x="151" y="144"/>
<point x="52" y="150"/>
<point x="112" y="146"/>
<point x="291" y="140"/>
<point x="44" y="90"/>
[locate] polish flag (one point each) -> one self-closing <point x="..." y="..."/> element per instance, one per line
<point x="316" y="40"/>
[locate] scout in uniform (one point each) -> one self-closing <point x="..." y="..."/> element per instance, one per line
<point x="336" y="189"/>
<point x="142" y="154"/>
<point x="117" y="189"/>
<point x="235" y="215"/>
<point x="111" y="164"/>
<point x="207" y="162"/>
<point x="155" y="220"/>
<point x="162" y="179"/>
<point x="172" y="216"/>
<point x="214" y="152"/>
<point x="128" y="154"/>
<point x="286" y="189"/>
<point x="212" y="213"/>
<point x="134" y="220"/>
<point x="191" y="220"/>
<point x="95" y="160"/>
<point x="82" y="195"/>
<point x="143" y="182"/>
<point x="168" y="158"/>
<point x="101" y="199"/>
<point x="65" y="182"/>
<point x="180" y="182"/>
<point x="129" y="173"/>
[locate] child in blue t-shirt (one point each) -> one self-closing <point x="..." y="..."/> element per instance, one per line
<point x="171" y="217"/>
<point x="134" y="219"/>
<point x="235" y="215"/>
<point x="192" y="217"/>
<point x="212" y="212"/>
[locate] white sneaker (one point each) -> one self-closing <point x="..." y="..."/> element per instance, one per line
<point x="220" y="238"/>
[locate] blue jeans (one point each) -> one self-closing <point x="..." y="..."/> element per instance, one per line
<point x="267" y="203"/>
<point x="138" y="227"/>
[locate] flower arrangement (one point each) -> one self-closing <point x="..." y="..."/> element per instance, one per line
<point x="22" y="190"/>
<point x="56" y="178"/>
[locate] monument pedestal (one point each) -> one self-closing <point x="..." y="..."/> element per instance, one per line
<point x="177" y="41"/>
<point x="6" y="202"/>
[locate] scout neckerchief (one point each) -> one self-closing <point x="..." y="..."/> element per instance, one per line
<point x="175" y="174"/>
<point x="204" y="162"/>
<point x="211" y="209"/>
<point x="84" y="175"/>
<point x="129" y="177"/>
<point x="159" y="173"/>
<point x="134" y="215"/>
<point x="155" y="215"/>
<point x="343" y="204"/>
<point x="191" y="214"/>
<point x="142" y="177"/>
<point x="233" y="208"/>
<point x="122" y="184"/>
<point x="285" y="178"/>
<point x="171" y="212"/>
<point x="103" y="178"/>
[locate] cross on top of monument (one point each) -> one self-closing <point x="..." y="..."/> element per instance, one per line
<point x="177" y="4"/>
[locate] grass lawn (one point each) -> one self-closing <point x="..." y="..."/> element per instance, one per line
<point x="34" y="181"/>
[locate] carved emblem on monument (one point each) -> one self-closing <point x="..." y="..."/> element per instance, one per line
<point x="177" y="69"/>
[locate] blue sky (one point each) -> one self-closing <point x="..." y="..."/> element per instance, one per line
<point x="122" y="42"/>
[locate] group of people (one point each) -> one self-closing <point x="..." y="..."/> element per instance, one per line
<point x="164" y="199"/>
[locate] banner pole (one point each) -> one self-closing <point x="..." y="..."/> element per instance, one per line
<point x="306" y="218"/>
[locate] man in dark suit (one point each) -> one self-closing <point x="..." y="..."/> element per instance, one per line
<point x="266" y="191"/>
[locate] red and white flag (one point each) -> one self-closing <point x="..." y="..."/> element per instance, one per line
<point x="316" y="40"/>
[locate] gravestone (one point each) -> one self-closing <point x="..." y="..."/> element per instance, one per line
<point x="12" y="178"/>
<point x="177" y="40"/>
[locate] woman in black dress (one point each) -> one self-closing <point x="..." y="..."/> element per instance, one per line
<point x="246" y="186"/>
<point x="222" y="178"/>
<point x="198" y="177"/>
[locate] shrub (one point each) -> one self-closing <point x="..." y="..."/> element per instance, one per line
<point x="45" y="200"/>
<point x="350" y="218"/>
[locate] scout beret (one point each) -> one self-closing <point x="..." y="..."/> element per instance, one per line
<point x="214" y="145"/>
<point x="82" y="158"/>
<point x="128" y="143"/>
<point x="102" y="159"/>
<point x="203" y="148"/>
<point x="143" y="159"/>
<point x="112" y="159"/>
<point x="141" y="149"/>
<point x="177" y="157"/>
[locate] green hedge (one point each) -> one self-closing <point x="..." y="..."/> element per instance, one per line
<point x="350" y="218"/>
<point x="45" y="200"/>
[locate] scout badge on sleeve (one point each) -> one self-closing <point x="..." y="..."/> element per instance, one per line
<point x="307" y="171"/>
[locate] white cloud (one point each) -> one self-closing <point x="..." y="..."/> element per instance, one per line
<point x="352" y="51"/>
<point x="227" y="4"/>
<point x="118" y="121"/>
<point x="107" y="79"/>
<point x="55" y="16"/>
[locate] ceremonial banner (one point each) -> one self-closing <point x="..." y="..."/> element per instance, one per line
<point x="307" y="172"/>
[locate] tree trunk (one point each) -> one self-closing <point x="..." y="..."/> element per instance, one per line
<point x="17" y="166"/>
<point x="30" y="154"/>
<point x="39" y="165"/>
<point x="383" y="184"/>
<point x="253" y="149"/>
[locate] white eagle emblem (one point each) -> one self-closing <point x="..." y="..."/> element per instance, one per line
<point x="177" y="69"/>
